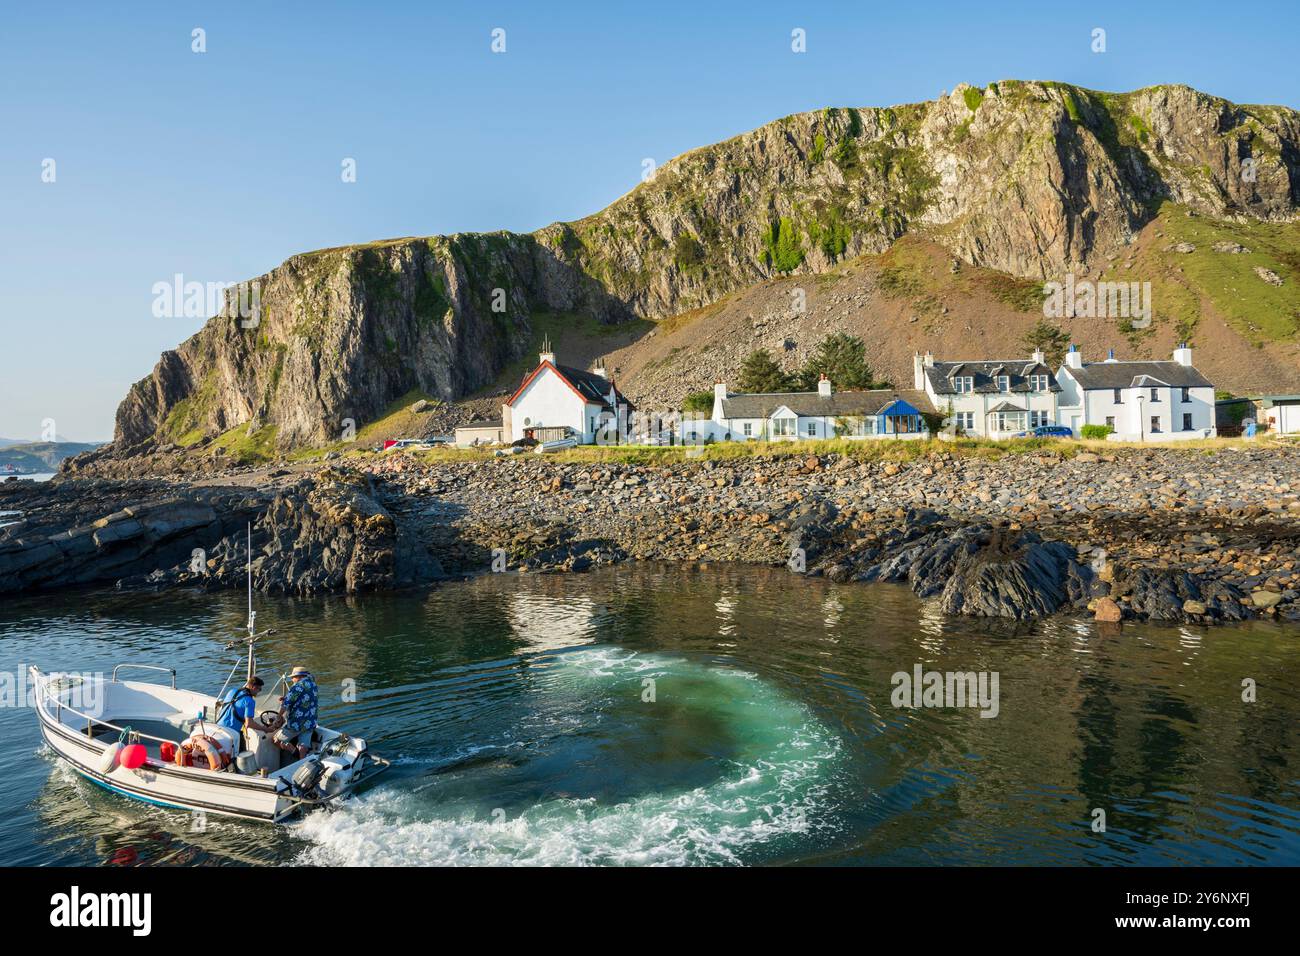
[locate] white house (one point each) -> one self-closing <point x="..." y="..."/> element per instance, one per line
<point x="556" y="401"/>
<point x="1161" y="401"/>
<point x="991" y="398"/>
<point x="825" y="413"/>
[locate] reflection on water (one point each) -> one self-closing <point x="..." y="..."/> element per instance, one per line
<point x="643" y="715"/>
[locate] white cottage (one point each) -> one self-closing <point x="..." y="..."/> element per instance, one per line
<point x="1161" y="401"/>
<point x="991" y="398"/>
<point x="557" y="401"/>
<point x="825" y="413"/>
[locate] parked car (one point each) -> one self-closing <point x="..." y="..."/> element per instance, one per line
<point x="1046" y="431"/>
<point x="415" y="444"/>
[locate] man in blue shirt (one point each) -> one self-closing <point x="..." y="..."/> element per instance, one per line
<point x="239" y="706"/>
<point x="298" y="710"/>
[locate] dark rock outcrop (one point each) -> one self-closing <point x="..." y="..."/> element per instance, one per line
<point x="985" y="572"/>
<point x="325" y="533"/>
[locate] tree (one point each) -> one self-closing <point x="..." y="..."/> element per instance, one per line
<point x="1048" y="337"/>
<point x="761" y="373"/>
<point x="843" y="359"/>
<point x="698" y="402"/>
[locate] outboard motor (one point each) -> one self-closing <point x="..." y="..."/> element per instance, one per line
<point x="306" y="777"/>
<point x="342" y="759"/>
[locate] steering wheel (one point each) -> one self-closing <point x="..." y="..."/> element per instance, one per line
<point x="269" y="717"/>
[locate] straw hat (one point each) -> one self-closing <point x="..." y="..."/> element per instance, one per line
<point x="299" y="672"/>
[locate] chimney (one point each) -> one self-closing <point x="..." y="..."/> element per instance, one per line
<point x="1110" y="355"/>
<point x="719" y="396"/>
<point x="1073" y="358"/>
<point x="918" y="370"/>
<point x="597" y="369"/>
<point x="824" y="386"/>
<point x="1183" y="354"/>
<point x="546" y="354"/>
<point x="1039" y="357"/>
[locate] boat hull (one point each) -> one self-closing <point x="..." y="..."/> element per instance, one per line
<point x="181" y="788"/>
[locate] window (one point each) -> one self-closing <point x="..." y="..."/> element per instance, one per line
<point x="1039" y="383"/>
<point x="965" y="421"/>
<point x="812" y="429"/>
<point x="748" y="429"/>
<point x="1187" y="421"/>
<point x="1155" y="424"/>
<point x="1187" y="395"/>
<point x="1004" y="383"/>
<point x="963" y="383"/>
<point x="1119" y="396"/>
<point x="1155" y="394"/>
<point x="1110" y="422"/>
<point x="783" y="427"/>
<point x="1038" y="418"/>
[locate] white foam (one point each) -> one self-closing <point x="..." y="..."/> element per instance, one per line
<point x="708" y="825"/>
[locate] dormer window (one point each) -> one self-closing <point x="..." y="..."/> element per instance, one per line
<point x="1038" y="383"/>
<point x="963" y="384"/>
<point x="1004" y="383"/>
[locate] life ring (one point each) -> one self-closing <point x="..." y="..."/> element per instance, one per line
<point x="217" y="758"/>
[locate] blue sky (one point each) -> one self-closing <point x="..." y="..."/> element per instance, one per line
<point x="222" y="164"/>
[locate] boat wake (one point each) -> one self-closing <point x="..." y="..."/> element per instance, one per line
<point x="718" y="768"/>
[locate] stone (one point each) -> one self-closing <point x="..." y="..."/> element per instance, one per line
<point x="1107" y="611"/>
<point x="1266" y="599"/>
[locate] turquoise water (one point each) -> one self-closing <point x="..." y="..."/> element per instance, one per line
<point x="733" y="716"/>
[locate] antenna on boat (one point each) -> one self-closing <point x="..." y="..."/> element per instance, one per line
<point x="252" y="615"/>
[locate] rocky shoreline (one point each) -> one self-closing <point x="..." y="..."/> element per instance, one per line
<point x="1161" y="534"/>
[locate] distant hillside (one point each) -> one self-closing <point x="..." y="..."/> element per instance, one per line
<point x="29" y="458"/>
<point x="917" y="296"/>
<point x="1030" y="180"/>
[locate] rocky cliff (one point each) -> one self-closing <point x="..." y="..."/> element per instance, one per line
<point x="1030" y="178"/>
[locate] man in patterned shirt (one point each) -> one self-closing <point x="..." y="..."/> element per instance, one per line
<point x="298" y="713"/>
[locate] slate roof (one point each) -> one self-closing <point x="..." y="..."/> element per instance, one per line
<point x="592" y="387"/>
<point x="484" y="423"/>
<point x="1006" y="407"/>
<point x="813" y="405"/>
<point x="941" y="375"/>
<point x="1095" y="375"/>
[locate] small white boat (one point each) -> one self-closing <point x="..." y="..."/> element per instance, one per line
<point x="251" y="778"/>
<point x="559" y="444"/>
